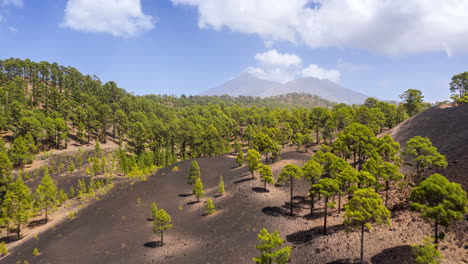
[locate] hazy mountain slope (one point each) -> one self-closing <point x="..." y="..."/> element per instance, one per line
<point x="323" y="88"/>
<point x="248" y="85"/>
<point x="245" y="84"/>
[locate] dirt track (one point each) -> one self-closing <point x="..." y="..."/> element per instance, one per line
<point x="116" y="229"/>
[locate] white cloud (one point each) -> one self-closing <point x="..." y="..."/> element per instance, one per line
<point x="273" y="57"/>
<point x="284" y="67"/>
<point x="17" y="3"/>
<point x="313" y="70"/>
<point x="390" y="27"/>
<point x="117" y="17"/>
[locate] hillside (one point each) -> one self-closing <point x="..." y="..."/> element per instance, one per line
<point x="245" y="84"/>
<point x="447" y="128"/>
<point x="248" y="85"/>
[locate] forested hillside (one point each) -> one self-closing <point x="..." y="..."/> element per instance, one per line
<point x="50" y="108"/>
<point x="45" y="105"/>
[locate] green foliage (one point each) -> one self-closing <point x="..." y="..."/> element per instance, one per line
<point x="364" y="209"/>
<point x="35" y="252"/>
<point x="198" y="189"/>
<point x="3" y="249"/>
<point x="269" y="246"/>
<point x="71" y="192"/>
<point x="266" y="174"/>
<point x="62" y="196"/>
<point x="290" y="173"/>
<point x="240" y="158"/>
<point x="439" y="200"/>
<point x="194" y="172"/>
<point x="209" y="207"/>
<point x="18" y="204"/>
<point x="253" y="159"/>
<point x="154" y="210"/>
<point x="221" y="190"/>
<point x="162" y="222"/>
<point x="412" y="101"/>
<point x="459" y="87"/>
<point x="421" y="154"/>
<point x="427" y="253"/>
<point x="19" y="152"/>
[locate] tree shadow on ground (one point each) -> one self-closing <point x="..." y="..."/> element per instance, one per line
<point x="243" y="180"/>
<point x="346" y="261"/>
<point x="185" y="194"/>
<point x="217" y="195"/>
<point x="275" y="211"/>
<point x="316" y="215"/>
<point x="193" y="202"/>
<point x="304" y="236"/>
<point x="37" y="223"/>
<point x="9" y="239"/>
<point x="153" y="244"/>
<point x="400" y="254"/>
<point x="260" y="190"/>
<point x="149" y="219"/>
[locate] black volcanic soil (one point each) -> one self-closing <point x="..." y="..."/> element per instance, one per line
<point x="116" y="229"/>
<point x="447" y="128"/>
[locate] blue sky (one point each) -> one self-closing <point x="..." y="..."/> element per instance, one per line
<point x="187" y="46"/>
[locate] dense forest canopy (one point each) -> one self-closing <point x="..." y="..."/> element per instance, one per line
<point x="44" y="104"/>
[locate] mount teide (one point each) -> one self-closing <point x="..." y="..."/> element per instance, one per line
<point x="248" y="85"/>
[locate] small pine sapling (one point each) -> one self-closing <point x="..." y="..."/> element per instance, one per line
<point x="209" y="208"/>
<point x="221" y="190"/>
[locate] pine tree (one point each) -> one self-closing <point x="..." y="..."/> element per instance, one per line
<point x="18" y="204"/>
<point x="268" y="245"/>
<point x="198" y="189"/>
<point x="194" y="172"/>
<point x="209" y="207"/>
<point x="363" y="209"/>
<point x="35" y="252"/>
<point x="266" y="175"/>
<point x="3" y="249"/>
<point x="312" y="171"/>
<point x="420" y="153"/>
<point x="62" y="196"/>
<point x="71" y="168"/>
<point x="253" y="158"/>
<point x="221" y="190"/>
<point x="327" y="187"/>
<point x="427" y="253"/>
<point x="240" y="158"/>
<point x="440" y="200"/>
<point x="154" y="210"/>
<point x="162" y="222"/>
<point x="5" y="173"/>
<point x="289" y="173"/>
<point x="47" y="193"/>
<point x="71" y="192"/>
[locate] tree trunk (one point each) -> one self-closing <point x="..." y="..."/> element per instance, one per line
<point x="264" y="187"/>
<point x="339" y="202"/>
<point x="362" y="243"/>
<point x="266" y="158"/>
<point x="386" y="192"/>
<point x="292" y="213"/>
<point x="162" y="236"/>
<point x="325" y="216"/>
<point x="18" y="232"/>
<point x="312" y="205"/>
<point x="436" y="233"/>
<point x="46" y="214"/>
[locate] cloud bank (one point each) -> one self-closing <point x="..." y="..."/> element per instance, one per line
<point x="284" y="67"/>
<point x="122" y="18"/>
<point x="388" y="27"/>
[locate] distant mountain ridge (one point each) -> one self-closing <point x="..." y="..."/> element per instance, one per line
<point x="248" y="85"/>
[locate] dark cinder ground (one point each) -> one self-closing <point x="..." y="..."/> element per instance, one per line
<point x="116" y="229"/>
